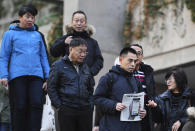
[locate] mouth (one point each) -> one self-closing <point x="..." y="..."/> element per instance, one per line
<point x="29" y="24"/>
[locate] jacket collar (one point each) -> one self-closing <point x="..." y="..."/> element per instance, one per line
<point x="167" y="94"/>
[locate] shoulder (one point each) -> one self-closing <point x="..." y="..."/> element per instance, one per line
<point x="146" y="68"/>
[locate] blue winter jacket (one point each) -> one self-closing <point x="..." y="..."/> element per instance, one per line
<point x="109" y="92"/>
<point x="23" y="53"/>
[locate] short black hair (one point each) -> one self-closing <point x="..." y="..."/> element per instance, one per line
<point x="77" y="42"/>
<point x="79" y="12"/>
<point x="28" y="9"/>
<point x="138" y="45"/>
<point x="179" y="76"/>
<point x="126" y="50"/>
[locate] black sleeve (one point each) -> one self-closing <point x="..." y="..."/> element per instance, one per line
<point x="101" y="98"/>
<point x="53" y="85"/>
<point x="98" y="115"/>
<point x="59" y="48"/>
<point x="98" y="64"/>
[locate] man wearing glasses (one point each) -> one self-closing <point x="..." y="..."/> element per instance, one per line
<point x="144" y="73"/>
<point x="70" y="87"/>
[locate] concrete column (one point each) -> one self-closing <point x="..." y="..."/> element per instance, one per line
<point x="69" y="7"/>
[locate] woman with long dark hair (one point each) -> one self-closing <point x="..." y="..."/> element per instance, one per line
<point x="169" y="108"/>
<point x="24" y="64"/>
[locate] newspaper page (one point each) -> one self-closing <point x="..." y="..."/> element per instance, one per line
<point x="134" y="103"/>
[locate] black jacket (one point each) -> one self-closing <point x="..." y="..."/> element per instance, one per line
<point x="161" y="114"/>
<point x="149" y="80"/>
<point x="69" y="88"/>
<point x="94" y="57"/>
<point x="109" y="92"/>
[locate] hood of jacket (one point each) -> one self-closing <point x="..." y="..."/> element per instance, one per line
<point x="89" y="30"/>
<point x="118" y="70"/>
<point x="16" y="27"/>
<point x="191" y="112"/>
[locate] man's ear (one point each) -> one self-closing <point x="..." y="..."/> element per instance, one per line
<point x="70" y="49"/>
<point x="120" y="59"/>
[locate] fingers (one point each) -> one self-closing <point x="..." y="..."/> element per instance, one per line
<point x="176" y="126"/>
<point x="44" y="86"/>
<point x="68" y="40"/>
<point x="151" y="103"/>
<point x="142" y="113"/>
<point x="120" y="106"/>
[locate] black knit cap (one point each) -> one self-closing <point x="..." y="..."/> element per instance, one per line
<point x="27" y="9"/>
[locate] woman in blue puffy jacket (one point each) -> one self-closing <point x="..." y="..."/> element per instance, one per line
<point x="24" y="65"/>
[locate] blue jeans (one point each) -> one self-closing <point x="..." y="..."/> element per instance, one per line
<point x="26" y="100"/>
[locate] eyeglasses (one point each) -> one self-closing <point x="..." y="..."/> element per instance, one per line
<point x="79" y="20"/>
<point x="139" y="53"/>
<point x="81" y="51"/>
<point x="171" y="78"/>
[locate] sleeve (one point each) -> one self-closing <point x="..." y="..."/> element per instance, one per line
<point x="53" y="85"/>
<point x="44" y="60"/>
<point x="5" y="53"/>
<point x="59" y="48"/>
<point x="98" y="116"/>
<point x="98" y="64"/>
<point x="101" y="96"/>
<point x="157" y="112"/>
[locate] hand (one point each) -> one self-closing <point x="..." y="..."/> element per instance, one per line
<point x="142" y="113"/>
<point x="44" y="86"/>
<point x="151" y="103"/>
<point x="96" y="128"/>
<point x="4" y="82"/>
<point x="68" y="40"/>
<point x="120" y="106"/>
<point x="176" y="125"/>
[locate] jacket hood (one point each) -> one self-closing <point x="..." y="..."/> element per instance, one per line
<point x="118" y="70"/>
<point x="90" y="30"/>
<point x="15" y="26"/>
<point x="191" y="112"/>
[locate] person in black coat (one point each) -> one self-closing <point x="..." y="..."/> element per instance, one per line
<point x="144" y="73"/>
<point x="110" y="90"/>
<point x="80" y="29"/>
<point x="70" y="88"/>
<point x="169" y="108"/>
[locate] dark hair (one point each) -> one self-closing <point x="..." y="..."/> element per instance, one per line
<point x="179" y="76"/>
<point x="79" y="12"/>
<point x="126" y="50"/>
<point x="77" y="42"/>
<point x="27" y="9"/>
<point x="138" y="45"/>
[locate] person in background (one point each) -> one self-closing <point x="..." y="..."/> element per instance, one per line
<point x="24" y="64"/>
<point x="110" y="90"/>
<point x="70" y="87"/>
<point x="169" y="108"/>
<point x="144" y="73"/>
<point x="80" y="29"/>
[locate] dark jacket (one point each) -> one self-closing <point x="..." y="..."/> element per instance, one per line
<point x="69" y="88"/>
<point x="161" y="114"/>
<point x="150" y="94"/>
<point x="149" y="80"/>
<point x="109" y="92"/>
<point x="190" y="124"/>
<point x="94" y="57"/>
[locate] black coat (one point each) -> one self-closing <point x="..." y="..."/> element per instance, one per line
<point x="94" y="57"/>
<point x="109" y="92"/>
<point x="161" y="113"/>
<point x="190" y="124"/>
<point x="69" y="88"/>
